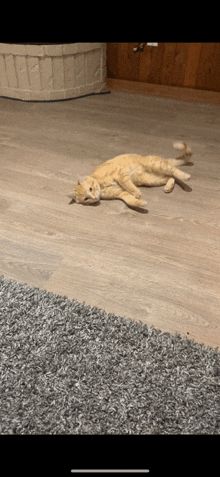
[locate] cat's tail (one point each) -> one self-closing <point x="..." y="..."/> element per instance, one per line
<point x="183" y="147"/>
<point x="186" y="154"/>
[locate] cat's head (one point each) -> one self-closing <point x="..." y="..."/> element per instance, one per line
<point x="87" y="191"/>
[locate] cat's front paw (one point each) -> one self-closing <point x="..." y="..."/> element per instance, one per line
<point x="141" y="203"/>
<point x="137" y="194"/>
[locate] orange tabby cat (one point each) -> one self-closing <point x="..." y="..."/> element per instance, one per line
<point x="118" y="177"/>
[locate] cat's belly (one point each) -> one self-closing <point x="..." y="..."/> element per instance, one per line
<point x="148" y="179"/>
<point x="134" y="171"/>
<point x="139" y="176"/>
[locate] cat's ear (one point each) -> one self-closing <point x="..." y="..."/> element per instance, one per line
<point x="71" y="196"/>
<point x="81" y="179"/>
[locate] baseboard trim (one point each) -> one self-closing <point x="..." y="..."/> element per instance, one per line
<point x="184" y="94"/>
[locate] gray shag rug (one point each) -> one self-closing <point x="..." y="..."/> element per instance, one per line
<point x="67" y="368"/>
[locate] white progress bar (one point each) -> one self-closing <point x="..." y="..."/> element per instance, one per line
<point x="110" y="470"/>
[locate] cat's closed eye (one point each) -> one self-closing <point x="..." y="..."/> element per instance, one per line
<point x="90" y="189"/>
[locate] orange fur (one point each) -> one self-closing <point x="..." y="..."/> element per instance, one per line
<point x="118" y="178"/>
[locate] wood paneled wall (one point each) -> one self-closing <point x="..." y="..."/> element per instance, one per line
<point x="189" y="65"/>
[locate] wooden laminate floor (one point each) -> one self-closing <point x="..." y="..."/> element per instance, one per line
<point x="161" y="267"/>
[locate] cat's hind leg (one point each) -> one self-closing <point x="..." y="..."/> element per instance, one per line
<point x="169" y="185"/>
<point x="167" y="170"/>
<point x="178" y="174"/>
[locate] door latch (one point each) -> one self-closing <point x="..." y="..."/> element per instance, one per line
<point x="140" y="47"/>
